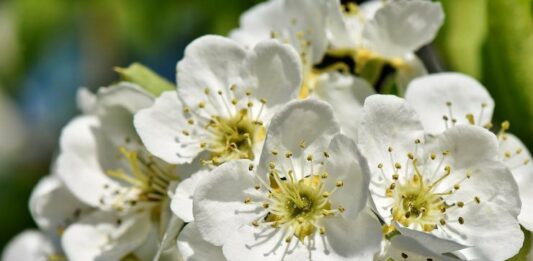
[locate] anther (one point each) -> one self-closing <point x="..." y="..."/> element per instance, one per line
<point x="274" y="152"/>
<point x="339" y="183"/>
<point x="322" y="230"/>
<point x="477" y="200"/>
<point x="397" y="165"/>
<point x="460" y="204"/>
<point x="250" y="167"/>
<point x="288" y="154"/>
<point x="309" y="157"/>
<point x="461" y="220"/>
<point x="326" y="154"/>
<point x="247" y="200"/>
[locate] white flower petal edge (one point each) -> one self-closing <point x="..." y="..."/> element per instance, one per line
<point x="301" y="23"/>
<point x="31" y="245"/>
<point x="53" y="207"/>
<point x="158" y="127"/>
<point x="402" y="247"/>
<point x="518" y="159"/>
<point x="346" y="94"/>
<point x="101" y="236"/>
<point x="445" y="99"/>
<point x="193" y="247"/>
<point x="311" y="205"/>
<point x="402" y="27"/>
<point x="451" y="187"/>
<point x="182" y="201"/>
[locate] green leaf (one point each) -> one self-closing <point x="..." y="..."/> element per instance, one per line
<point x="461" y="38"/>
<point x="508" y="63"/>
<point x="146" y="78"/>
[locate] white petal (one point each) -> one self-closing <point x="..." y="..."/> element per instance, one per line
<point x="218" y="63"/>
<point x="400" y="246"/>
<point x="30" y="245"/>
<point x="124" y="94"/>
<point x="346" y="164"/>
<point x="218" y="203"/>
<point x="412" y="69"/>
<point x="286" y="19"/>
<point x="310" y="121"/>
<point x="182" y="201"/>
<point x="159" y="127"/>
<point x="53" y="206"/>
<point x="522" y="168"/>
<point x="84" y="154"/>
<point x="86" y="100"/>
<point x="475" y="150"/>
<point x="357" y="239"/>
<point x="501" y="241"/>
<point x="429" y="96"/>
<point x="277" y="71"/>
<point x="430" y="241"/>
<point x="116" y="106"/>
<point x="194" y="248"/>
<point x="401" y="27"/>
<point x="99" y="236"/>
<point x="388" y="121"/>
<point x="346" y="94"/>
<point x="346" y="239"/>
<point x="211" y="62"/>
<point x="343" y="31"/>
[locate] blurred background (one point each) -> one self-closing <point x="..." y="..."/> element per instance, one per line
<point x="50" y="48"/>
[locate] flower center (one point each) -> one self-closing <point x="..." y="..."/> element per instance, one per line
<point x="416" y="203"/>
<point x="234" y="138"/>
<point x="420" y="193"/>
<point x="297" y="202"/>
<point x="147" y="181"/>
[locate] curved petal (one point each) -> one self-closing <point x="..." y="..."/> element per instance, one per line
<point x="351" y="239"/>
<point x="286" y="21"/>
<point x="85" y="152"/>
<point x="346" y="164"/>
<point x="210" y="62"/>
<point x="501" y="241"/>
<point x="402" y="247"/>
<point x="194" y="248"/>
<point x="53" y="206"/>
<point x="388" y="123"/>
<point x="182" y="202"/>
<point x="473" y="151"/>
<point x="518" y="159"/>
<point x="218" y="203"/>
<point x="276" y="71"/>
<point x="159" y="126"/>
<point x="302" y="128"/>
<point x="104" y="235"/>
<point x="115" y="107"/>
<point x="430" y="241"/>
<point x="412" y="68"/>
<point x="452" y="95"/>
<point x="345" y="239"/>
<point x="346" y="94"/>
<point x="30" y="245"/>
<point x="401" y="27"/>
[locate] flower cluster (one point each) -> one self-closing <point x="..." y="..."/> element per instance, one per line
<point x="276" y="145"/>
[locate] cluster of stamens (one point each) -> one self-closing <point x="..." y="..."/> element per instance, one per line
<point x="296" y="202"/>
<point x="419" y="200"/>
<point x="147" y="181"/>
<point x="225" y="125"/>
